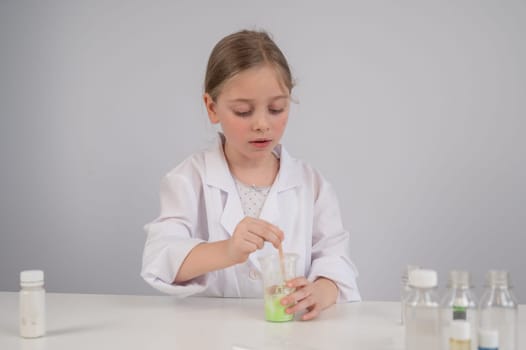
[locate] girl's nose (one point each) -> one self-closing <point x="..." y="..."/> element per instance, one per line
<point x="261" y="123"/>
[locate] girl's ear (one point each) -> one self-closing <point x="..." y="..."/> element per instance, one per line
<point x="210" y="108"/>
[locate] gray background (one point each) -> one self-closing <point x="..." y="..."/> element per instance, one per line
<point x="415" y="111"/>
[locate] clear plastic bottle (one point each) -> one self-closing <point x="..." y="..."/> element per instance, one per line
<point x="498" y="309"/>
<point x="460" y="335"/>
<point x="458" y="303"/>
<point x="32" y="304"/>
<point x="422" y="311"/>
<point x="405" y="288"/>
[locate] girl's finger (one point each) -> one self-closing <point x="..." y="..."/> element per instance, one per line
<point x="302" y="305"/>
<point x="313" y="313"/>
<point x="267" y="231"/>
<point x="297" y="282"/>
<point x="249" y="247"/>
<point x="266" y="235"/>
<point x="276" y="231"/>
<point x="255" y="239"/>
<point x="296" y="296"/>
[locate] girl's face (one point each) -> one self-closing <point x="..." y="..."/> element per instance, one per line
<point x="253" y="109"/>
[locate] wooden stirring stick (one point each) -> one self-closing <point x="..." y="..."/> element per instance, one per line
<point x="282" y="262"/>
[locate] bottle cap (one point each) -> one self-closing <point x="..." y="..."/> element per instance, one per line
<point x="460" y="330"/>
<point x="459" y="279"/>
<point x="488" y="338"/>
<point x="32" y="278"/>
<point x="498" y="278"/>
<point x="423" y="278"/>
<point x="411" y="267"/>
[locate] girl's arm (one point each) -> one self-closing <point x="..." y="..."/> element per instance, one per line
<point x="331" y="245"/>
<point x="328" y="292"/>
<point x="203" y="258"/>
<point x="249" y="235"/>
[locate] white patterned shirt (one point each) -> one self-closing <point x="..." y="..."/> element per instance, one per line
<point x="252" y="198"/>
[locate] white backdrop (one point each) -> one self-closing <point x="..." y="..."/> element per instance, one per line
<point x="415" y="111"/>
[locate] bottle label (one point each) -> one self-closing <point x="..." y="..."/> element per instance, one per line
<point x="459" y="313"/>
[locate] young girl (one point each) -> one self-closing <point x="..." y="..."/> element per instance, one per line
<point x="223" y="208"/>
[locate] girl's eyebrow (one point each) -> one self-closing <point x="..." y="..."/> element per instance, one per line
<point x="279" y="97"/>
<point x="247" y="100"/>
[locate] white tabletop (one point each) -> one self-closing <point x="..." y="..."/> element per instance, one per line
<point x="80" y="321"/>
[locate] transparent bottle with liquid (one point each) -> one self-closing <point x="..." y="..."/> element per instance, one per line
<point x="498" y="309"/>
<point x="32" y="304"/>
<point x="405" y="289"/>
<point x="422" y="311"/>
<point x="458" y="303"/>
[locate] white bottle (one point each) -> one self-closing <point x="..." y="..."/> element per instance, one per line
<point x="405" y="288"/>
<point x="422" y="312"/>
<point x="498" y="309"/>
<point x="32" y="304"/>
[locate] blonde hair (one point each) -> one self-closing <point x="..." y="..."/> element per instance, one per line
<point x="240" y="51"/>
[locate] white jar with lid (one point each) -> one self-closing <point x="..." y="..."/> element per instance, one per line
<point x="32" y="304"/>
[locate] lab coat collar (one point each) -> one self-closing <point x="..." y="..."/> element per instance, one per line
<point x="217" y="174"/>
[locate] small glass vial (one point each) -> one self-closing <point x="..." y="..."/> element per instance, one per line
<point x="458" y="303"/>
<point x="498" y="309"/>
<point x="32" y="304"/>
<point x="488" y="339"/>
<point x="460" y="335"/>
<point x="422" y="312"/>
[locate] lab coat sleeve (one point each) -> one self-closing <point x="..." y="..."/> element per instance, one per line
<point x="171" y="237"/>
<point x="331" y="246"/>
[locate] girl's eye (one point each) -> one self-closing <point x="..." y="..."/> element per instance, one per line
<point x="243" y="113"/>
<point x="275" y="111"/>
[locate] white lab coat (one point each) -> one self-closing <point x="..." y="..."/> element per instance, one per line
<point x="200" y="203"/>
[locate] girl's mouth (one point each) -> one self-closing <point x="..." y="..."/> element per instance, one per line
<point x="261" y="143"/>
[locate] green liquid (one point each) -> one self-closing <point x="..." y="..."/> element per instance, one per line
<point x="274" y="311"/>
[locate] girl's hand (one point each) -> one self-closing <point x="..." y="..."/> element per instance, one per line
<point x="250" y="235"/>
<point x="310" y="296"/>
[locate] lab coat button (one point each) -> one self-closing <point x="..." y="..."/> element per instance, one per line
<point x="253" y="275"/>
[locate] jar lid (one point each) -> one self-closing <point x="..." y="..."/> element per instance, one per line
<point x="33" y="277"/>
<point x="488" y="338"/>
<point x="423" y="278"/>
<point x="498" y="278"/>
<point x="460" y="330"/>
<point x="459" y="279"/>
